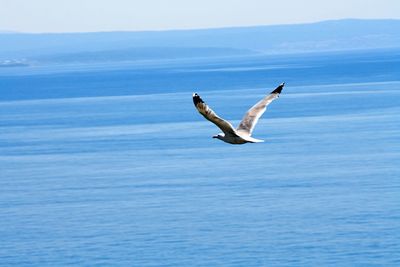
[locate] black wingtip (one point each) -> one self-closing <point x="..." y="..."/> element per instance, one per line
<point x="278" y="89"/>
<point x="197" y="99"/>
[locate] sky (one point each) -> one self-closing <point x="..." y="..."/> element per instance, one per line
<point x="139" y="15"/>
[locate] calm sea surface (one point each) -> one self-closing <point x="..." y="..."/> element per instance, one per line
<point x="111" y="164"/>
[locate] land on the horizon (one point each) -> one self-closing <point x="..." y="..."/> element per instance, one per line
<point x="336" y="35"/>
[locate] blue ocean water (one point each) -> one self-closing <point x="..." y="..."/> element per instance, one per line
<point x="110" y="164"/>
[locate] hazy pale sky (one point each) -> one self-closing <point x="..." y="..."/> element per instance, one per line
<point x="131" y="15"/>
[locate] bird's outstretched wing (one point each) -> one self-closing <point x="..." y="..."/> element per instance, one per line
<point x="251" y="117"/>
<point x="210" y="115"/>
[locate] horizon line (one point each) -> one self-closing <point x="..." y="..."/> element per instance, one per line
<point x="202" y="29"/>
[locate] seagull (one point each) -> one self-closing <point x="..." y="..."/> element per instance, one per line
<point x="242" y="134"/>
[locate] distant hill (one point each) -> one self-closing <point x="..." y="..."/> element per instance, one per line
<point x="279" y="39"/>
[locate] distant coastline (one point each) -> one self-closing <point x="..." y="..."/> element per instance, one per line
<point x="105" y="47"/>
<point x="348" y="34"/>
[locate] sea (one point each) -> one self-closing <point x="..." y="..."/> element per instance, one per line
<point x="109" y="163"/>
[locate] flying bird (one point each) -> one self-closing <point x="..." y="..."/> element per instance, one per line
<point x="242" y="134"/>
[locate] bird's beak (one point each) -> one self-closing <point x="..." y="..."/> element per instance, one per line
<point x="215" y="136"/>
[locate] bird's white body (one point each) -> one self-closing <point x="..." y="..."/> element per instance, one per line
<point x="237" y="139"/>
<point x="242" y="134"/>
